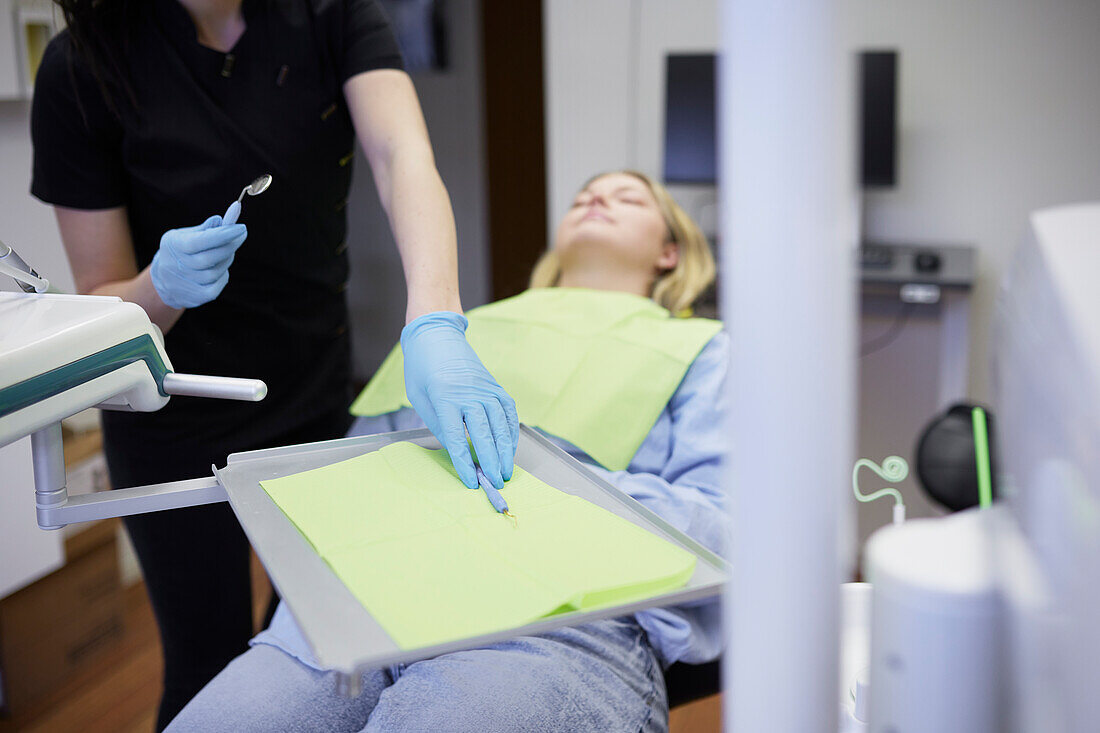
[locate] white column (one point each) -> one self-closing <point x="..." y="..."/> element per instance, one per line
<point x="788" y="248"/>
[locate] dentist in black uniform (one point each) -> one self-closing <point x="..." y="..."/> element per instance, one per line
<point x="148" y="118"/>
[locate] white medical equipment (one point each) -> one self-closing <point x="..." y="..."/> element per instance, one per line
<point x="984" y="621"/>
<point x="60" y="354"/>
<point x="787" y="210"/>
<point x="1047" y="377"/>
<point x="934" y="628"/>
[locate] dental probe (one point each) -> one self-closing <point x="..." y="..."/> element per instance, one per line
<point x="495" y="498"/>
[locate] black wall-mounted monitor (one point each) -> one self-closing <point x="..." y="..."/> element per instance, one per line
<point x="691" y="153"/>
<point x="691" y="119"/>
<point x="878" y="113"/>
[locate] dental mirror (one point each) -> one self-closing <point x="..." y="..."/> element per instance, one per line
<point x="255" y="188"/>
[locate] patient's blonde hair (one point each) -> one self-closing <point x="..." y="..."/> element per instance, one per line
<point x="676" y="289"/>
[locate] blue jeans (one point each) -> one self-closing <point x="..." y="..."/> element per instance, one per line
<point x="601" y="676"/>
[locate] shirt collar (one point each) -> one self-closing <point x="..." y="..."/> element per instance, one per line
<point x="176" y="22"/>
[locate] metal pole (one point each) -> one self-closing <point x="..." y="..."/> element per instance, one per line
<point x="48" y="457"/>
<point x="788" y="283"/>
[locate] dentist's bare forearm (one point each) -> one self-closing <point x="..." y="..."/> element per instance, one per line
<point x="140" y="290"/>
<point x="390" y="126"/>
<point x="101" y="255"/>
<point x="423" y="225"/>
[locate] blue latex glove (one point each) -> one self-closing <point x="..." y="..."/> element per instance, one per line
<point x="192" y="265"/>
<point x="453" y="392"/>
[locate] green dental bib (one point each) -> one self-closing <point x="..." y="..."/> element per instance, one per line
<point x="593" y="367"/>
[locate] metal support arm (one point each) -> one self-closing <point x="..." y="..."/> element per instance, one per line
<point x="137" y="500"/>
<point x="56" y="508"/>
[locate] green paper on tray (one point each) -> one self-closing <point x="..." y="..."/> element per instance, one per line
<point x="432" y="560"/>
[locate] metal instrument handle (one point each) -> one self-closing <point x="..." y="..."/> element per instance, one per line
<point x="14" y="266"/>
<point x="224" y="388"/>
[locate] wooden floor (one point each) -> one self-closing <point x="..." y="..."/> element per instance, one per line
<point x="701" y="716"/>
<point x="120" y="694"/>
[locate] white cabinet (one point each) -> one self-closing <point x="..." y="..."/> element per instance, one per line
<point x="26" y="552"/>
<point x="9" y="58"/>
<point x="26" y="26"/>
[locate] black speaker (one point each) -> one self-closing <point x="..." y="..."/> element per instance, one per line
<point x="955" y="457"/>
<point x="878" y="113"/>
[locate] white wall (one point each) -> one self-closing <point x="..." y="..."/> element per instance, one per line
<point x="999" y="104"/>
<point x="26" y="223"/>
<point x="1000" y="101"/>
<point x="999" y="115"/>
<point x="588" y="62"/>
<point x="604" y="80"/>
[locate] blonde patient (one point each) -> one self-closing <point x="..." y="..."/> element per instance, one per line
<point x="623" y="233"/>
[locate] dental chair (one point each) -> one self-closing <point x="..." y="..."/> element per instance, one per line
<point x="690" y="682"/>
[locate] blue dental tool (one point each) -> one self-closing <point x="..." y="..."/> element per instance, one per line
<point x="495" y="498"/>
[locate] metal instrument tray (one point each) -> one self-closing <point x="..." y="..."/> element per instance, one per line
<point x="342" y="634"/>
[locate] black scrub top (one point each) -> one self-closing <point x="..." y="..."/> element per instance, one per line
<point x="205" y="124"/>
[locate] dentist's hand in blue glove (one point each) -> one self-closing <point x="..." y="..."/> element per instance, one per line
<point x="453" y="392"/>
<point x="192" y="265"/>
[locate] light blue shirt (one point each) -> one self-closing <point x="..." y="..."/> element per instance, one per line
<point x="677" y="473"/>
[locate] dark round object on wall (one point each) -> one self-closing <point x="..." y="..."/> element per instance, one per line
<point x="946" y="459"/>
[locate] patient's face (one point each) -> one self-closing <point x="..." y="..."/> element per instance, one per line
<point x="615" y="223"/>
